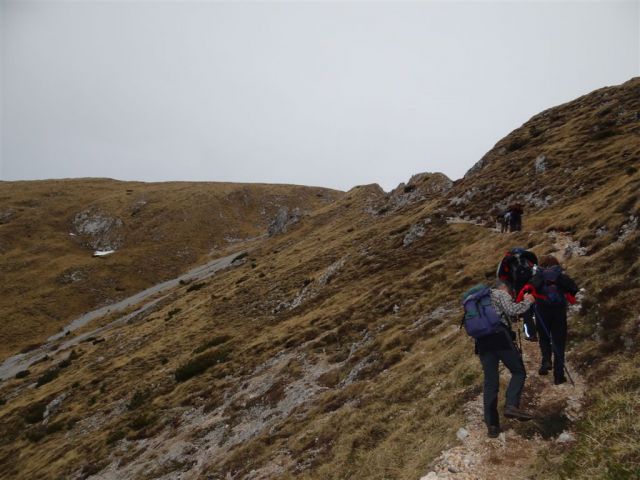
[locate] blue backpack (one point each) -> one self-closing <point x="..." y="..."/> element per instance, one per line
<point x="480" y="318"/>
<point x="552" y="295"/>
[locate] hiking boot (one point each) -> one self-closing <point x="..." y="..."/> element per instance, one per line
<point x="493" y="431"/>
<point x="532" y="338"/>
<point x="544" y="368"/>
<point x="511" y="411"/>
<point x="560" y="380"/>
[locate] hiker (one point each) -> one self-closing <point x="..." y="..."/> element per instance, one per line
<point x="515" y="217"/>
<point x="515" y="269"/>
<point x="497" y="346"/>
<point x="554" y="290"/>
<point x="503" y="221"/>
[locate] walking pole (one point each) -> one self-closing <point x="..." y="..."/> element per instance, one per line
<point x="553" y="346"/>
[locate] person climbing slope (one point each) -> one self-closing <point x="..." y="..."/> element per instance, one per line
<point x="515" y="217"/>
<point x="487" y="319"/>
<point x="516" y="269"/>
<point x="554" y="290"/>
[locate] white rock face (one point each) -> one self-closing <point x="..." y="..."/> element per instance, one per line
<point x="99" y="230"/>
<point x="541" y="164"/>
<point x="283" y="219"/>
<point x="416" y="231"/>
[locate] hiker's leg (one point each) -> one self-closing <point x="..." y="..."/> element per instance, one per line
<point x="489" y="361"/>
<point x="545" y="343"/>
<point x="513" y="361"/>
<point x="559" y="337"/>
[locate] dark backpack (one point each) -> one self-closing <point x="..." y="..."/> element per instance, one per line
<point x="550" y="294"/>
<point x="480" y="318"/>
<point x="516" y="267"/>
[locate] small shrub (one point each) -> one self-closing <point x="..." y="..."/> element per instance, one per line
<point x="241" y="256"/>
<point x="30" y="348"/>
<point x="603" y="133"/>
<point x="23" y="373"/>
<point x="213" y="342"/>
<point x="64" y="363"/>
<point x="200" y="364"/>
<point x="2" y="401"/>
<point x="36" y="433"/>
<point x="72" y="422"/>
<point x="171" y="313"/>
<point x="138" y="399"/>
<point x="516" y="144"/>
<point x="55" y="427"/>
<point x="34" y="413"/>
<point x="115" y="436"/>
<point x="141" y="421"/>
<point x="47" y="376"/>
<point x="91" y="469"/>
<point x="195" y="287"/>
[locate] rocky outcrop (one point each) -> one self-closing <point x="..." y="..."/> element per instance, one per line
<point x="6" y="216"/>
<point x="98" y="230"/>
<point x="283" y="220"/>
<point x="421" y="187"/>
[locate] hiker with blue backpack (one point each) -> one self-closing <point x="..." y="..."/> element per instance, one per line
<point x="553" y="291"/>
<point x="487" y="319"/>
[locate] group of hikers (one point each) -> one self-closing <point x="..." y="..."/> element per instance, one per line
<point x="539" y="293"/>
<point x="510" y="220"/>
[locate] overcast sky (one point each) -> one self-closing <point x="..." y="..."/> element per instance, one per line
<point x="330" y="94"/>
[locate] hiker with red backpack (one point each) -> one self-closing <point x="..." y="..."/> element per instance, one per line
<point x="554" y="290"/>
<point x="516" y="269"/>
<point x="487" y="320"/>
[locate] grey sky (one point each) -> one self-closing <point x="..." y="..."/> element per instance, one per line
<point x="331" y="94"/>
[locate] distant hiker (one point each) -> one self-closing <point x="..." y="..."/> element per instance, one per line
<point x="554" y="290"/>
<point x="515" y="217"/>
<point x="487" y="319"/>
<point x="516" y="269"/>
<point x="503" y="221"/>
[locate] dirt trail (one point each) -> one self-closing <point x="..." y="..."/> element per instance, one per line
<point x="16" y="363"/>
<point x="556" y="408"/>
<point x="477" y="457"/>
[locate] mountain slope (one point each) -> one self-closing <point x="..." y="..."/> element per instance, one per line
<point x="333" y="350"/>
<point x="50" y="229"/>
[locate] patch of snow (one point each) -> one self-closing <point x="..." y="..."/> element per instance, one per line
<point x="103" y="253"/>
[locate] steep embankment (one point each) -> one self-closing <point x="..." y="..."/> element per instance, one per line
<point x="50" y="229"/>
<point x="333" y="351"/>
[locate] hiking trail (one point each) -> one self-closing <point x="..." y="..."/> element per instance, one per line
<point x="478" y="457"/>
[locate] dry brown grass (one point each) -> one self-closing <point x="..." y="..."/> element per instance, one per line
<point x="167" y="227"/>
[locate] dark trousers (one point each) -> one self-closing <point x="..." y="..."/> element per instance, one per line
<point x="555" y="321"/>
<point x="529" y="323"/>
<point x="490" y="361"/>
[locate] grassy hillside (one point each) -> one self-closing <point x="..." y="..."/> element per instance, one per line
<point x="50" y="229"/>
<point x="334" y="351"/>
